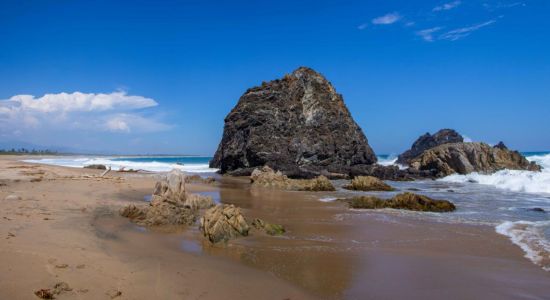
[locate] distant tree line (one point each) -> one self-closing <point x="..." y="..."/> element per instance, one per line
<point x="26" y="151"/>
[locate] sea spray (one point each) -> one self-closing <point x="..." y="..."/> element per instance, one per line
<point x="512" y="180"/>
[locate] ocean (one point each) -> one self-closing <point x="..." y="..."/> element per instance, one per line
<point x="511" y="201"/>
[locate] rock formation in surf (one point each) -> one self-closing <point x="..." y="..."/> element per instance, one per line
<point x="268" y="178"/>
<point x="407" y="201"/>
<point x="170" y="204"/>
<point x="368" y="183"/>
<point x="298" y="125"/>
<point x="428" y="141"/>
<point x="464" y="158"/>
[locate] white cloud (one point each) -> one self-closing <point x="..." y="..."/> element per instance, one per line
<point x="77" y="101"/>
<point x="459" y="33"/>
<point x="78" y="112"/>
<point x="124" y="122"/>
<point x="447" y="6"/>
<point x="387" y="19"/>
<point x="428" y="34"/>
<point x="117" y="124"/>
<point x="362" y="26"/>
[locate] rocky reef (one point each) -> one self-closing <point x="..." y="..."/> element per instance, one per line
<point x="428" y="141"/>
<point x="298" y="124"/>
<point x="170" y="204"/>
<point x="368" y="183"/>
<point x="407" y="201"/>
<point x="464" y="158"/>
<point x="268" y="178"/>
<point x="445" y="153"/>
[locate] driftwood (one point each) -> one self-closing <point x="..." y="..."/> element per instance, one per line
<point x="105" y="172"/>
<point x="123" y="169"/>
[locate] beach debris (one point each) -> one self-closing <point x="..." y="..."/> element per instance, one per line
<point x="170" y="204"/>
<point x="105" y="172"/>
<point x="96" y="166"/>
<point x="81" y="266"/>
<point x="62" y="266"/>
<point x="368" y="183"/>
<point x="10" y="235"/>
<point x="268" y="178"/>
<point x="269" y="228"/>
<point x="113" y="293"/>
<point x="58" y="288"/>
<point x="13" y="197"/>
<point x="223" y="222"/>
<point x="407" y="201"/>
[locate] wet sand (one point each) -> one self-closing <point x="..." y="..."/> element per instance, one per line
<point x="329" y="252"/>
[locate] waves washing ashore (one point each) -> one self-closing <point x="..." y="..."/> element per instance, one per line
<point x="531" y="238"/>
<point x="190" y="164"/>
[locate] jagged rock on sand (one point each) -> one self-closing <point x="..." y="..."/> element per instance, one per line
<point x="199" y="179"/>
<point x="170" y="204"/>
<point x="269" y="228"/>
<point x="407" y="201"/>
<point x="298" y="124"/>
<point x="428" y="141"/>
<point x="267" y="177"/>
<point x="368" y="183"/>
<point x="464" y="158"/>
<point x="223" y="222"/>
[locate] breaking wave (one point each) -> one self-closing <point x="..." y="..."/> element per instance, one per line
<point x="152" y="164"/>
<point x="513" y="180"/>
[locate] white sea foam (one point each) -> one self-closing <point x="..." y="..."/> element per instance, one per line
<point x="529" y="236"/>
<point x="513" y="180"/>
<point x="153" y="166"/>
<point x="390" y="161"/>
<point x="328" y="199"/>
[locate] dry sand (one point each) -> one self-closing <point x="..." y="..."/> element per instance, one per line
<point x="62" y="226"/>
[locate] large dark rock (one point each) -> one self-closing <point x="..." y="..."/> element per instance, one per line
<point x="298" y="125"/>
<point x="428" y="141"/>
<point x="464" y="158"/>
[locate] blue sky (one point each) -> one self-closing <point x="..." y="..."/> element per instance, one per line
<point x="160" y="76"/>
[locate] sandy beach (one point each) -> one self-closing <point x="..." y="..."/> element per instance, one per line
<point x="62" y="225"/>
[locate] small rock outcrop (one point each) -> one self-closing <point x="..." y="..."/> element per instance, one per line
<point x="464" y="158"/>
<point x="298" y="124"/>
<point x="407" y="201"/>
<point x="428" y="141"/>
<point x="97" y="167"/>
<point x="199" y="179"/>
<point x="269" y="228"/>
<point x="368" y="183"/>
<point x="223" y="222"/>
<point x="268" y="178"/>
<point x="170" y="204"/>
